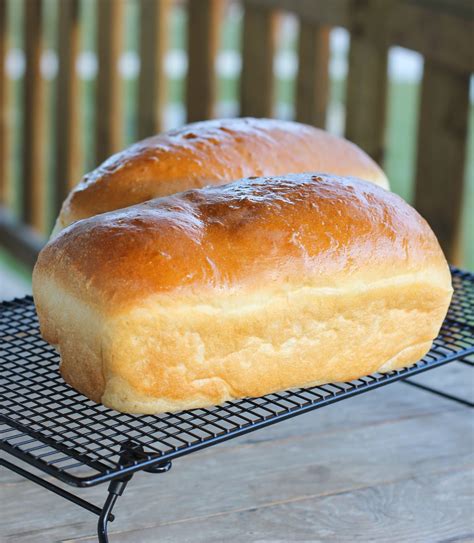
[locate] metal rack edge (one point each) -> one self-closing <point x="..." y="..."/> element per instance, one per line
<point x="90" y="481"/>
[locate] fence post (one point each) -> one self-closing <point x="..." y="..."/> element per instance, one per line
<point x="203" y="34"/>
<point x="33" y="154"/>
<point x="109" y="88"/>
<point x="312" y="88"/>
<point x="367" y="77"/>
<point x="154" y="21"/>
<point x="68" y="122"/>
<point x="442" y="137"/>
<point x="258" y="50"/>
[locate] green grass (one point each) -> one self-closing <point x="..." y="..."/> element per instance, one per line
<point x="400" y="160"/>
<point x="17" y="268"/>
<point x="401" y="137"/>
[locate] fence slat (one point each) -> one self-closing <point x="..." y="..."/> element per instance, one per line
<point x="312" y="88"/>
<point x="33" y="154"/>
<point x="367" y="79"/>
<point x="109" y="88"/>
<point x="323" y="12"/>
<point x="439" y="32"/>
<point x="154" y="22"/>
<point x="3" y="104"/>
<point x="442" y="139"/>
<point x="68" y="128"/>
<point x="258" y="50"/>
<point x="203" y="35"/>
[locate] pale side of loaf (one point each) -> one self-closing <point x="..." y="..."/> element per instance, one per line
<point x="211" y="153"/>
<point x="241" y="290"/>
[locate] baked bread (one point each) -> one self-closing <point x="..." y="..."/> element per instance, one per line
<point x="212" y="152"/>
<point x="239" y="290"/>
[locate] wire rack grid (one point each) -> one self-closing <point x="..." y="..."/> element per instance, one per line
<point x="50" y="426"/>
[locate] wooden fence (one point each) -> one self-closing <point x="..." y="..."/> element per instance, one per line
<point x="441" y="30"/>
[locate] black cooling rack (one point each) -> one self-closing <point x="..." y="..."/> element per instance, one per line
<point x="48" y="425"/>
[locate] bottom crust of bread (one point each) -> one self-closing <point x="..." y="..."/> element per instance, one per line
<point x="172" y="354"/>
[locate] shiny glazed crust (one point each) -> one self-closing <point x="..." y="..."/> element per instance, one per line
<point x="240" y="290"/>
<point x="212" y="153"/>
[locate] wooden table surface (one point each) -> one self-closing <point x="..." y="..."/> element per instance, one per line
<point x="395" y="464"/>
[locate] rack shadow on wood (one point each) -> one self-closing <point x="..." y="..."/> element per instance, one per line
<point x="48" y="425"/>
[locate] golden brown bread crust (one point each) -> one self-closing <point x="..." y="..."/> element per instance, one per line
<point x="242" y="289"/>
<point x="212" y="152"/>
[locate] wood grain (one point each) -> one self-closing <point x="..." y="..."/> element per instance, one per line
<point x="68" y="119"/>
<point x="33" y="153"/>
<point x="312" y="86"/>
<point x="384" y="513"/>
<point x="203" y="35"/>
<point x="387" y="513"/>
<point x="154" y="22"/>
<point x="109" y="87"/>
<point x="257" y="82"/>
<point x="442" y="135"/>
<point x="418" y="437"/>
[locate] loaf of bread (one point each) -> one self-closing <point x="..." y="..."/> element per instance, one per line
<point x="239" y="290"/>
<point x="212" y="153"/>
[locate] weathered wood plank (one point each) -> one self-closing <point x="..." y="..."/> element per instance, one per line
<point x="257" y="82"/>
<point x="33" y="154"/>
<point x="154" y="22"/>
<point x="312" y="87"/>
<point x="446" y="35"/>
<point x="203" y="34"/>
<point x="442" y="136"/>
<point x="109" y="87"/>
<point x="323" y="12"/>
<point x="4" y="109"/>
<point x="257" y="473"/>
<point x="367" y="79"/>
<point x="68" y="120"/>
<point x="431" y="508"/>
<point x="261" y="480"/>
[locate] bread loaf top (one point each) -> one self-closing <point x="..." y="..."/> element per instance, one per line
<point x="316" y="230"/>
<point x="212" y="152"/>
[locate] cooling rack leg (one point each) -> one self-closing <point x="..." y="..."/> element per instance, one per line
<point x="438" y="392"/>
<point x="115" y="490"/>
